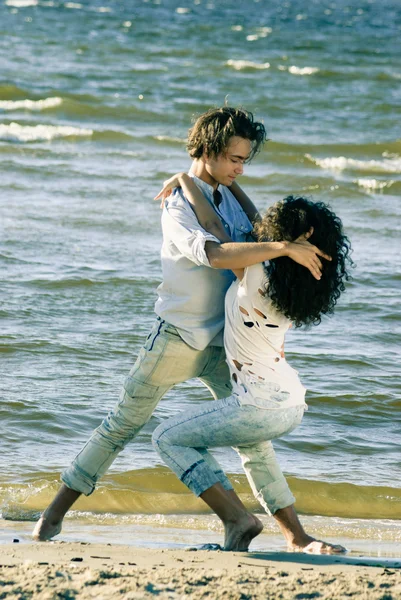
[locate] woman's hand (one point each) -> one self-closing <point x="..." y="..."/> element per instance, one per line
<point x="168" y="186"/>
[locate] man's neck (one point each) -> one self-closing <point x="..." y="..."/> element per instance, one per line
<point x="198" y="168"/>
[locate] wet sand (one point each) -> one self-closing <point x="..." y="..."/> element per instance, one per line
<point x="43" y="571"/>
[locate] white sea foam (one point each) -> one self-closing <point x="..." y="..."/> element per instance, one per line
<point x="264" y="31"/>
<point x="260" y="32"/>
<point x="302" y="70"/>
<point x="372" y="185"/>
<point x="341" y="163"/>
<point x="39" y="133"/>
<point x="167" y="138"/>
<point x="21" y="3"/>
<point x="239" y="65"/>
<point x="35" y="105"/>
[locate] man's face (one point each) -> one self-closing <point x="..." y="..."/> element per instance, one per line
<point x="226" y="167"/>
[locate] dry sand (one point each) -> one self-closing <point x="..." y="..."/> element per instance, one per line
<point x="103" y="571"/>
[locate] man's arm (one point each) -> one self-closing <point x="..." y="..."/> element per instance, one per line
<point x="238" y="256"/>
<point x="246" y="203"/>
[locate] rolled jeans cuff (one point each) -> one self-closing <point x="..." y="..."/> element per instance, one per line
<point x="199" y="478"/>
<point x="275" y="496"/>
<point x="223" y="479"/>
<point x="78" y="480"/>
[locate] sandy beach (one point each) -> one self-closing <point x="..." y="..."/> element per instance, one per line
<point x="44" y="571"/>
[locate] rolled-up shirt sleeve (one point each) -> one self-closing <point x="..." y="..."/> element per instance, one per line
<point x="184" y="231"/>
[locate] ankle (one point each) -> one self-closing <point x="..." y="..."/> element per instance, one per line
<point x="299" y="541"/>
<point x="237" y="517"/>
<point x="51" y="517"/>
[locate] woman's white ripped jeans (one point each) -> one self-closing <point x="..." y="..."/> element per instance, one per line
<point x="183" y="442"/>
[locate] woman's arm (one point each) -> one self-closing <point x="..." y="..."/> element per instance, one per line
<point x="205" y="214"/>
<point x="246" y="203"/>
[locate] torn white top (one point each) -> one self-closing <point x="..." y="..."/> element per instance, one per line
<point x="254" y="341"/>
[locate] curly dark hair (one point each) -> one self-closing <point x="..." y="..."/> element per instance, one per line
<point x="291" y="287"/>
<point x="213" y="129"/>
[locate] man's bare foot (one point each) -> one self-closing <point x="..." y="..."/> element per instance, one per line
<point x="46" y="530"/>
<point x="239" y="534"/>
<point x="51" y="521"/>
<point x="311" y="546"/>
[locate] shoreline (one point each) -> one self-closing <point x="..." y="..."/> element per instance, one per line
<point x="380" y="539"/>
<point x="85" y="570"/>
<point x="107" y="557"/>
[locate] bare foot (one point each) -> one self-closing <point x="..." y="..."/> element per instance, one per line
<point x="239" y="534"/>
<point x="249" y="535"/>
<point x="312" y="546"/>
<point x="46" y="530"/>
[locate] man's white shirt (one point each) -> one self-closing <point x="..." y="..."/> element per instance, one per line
<point x="191" y="296"/>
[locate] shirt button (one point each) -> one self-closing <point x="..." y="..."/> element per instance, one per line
<point x="242" y="227"/>
<point x="226" y="226"/>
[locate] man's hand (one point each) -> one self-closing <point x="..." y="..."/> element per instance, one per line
<point x="168" y="187"/>
<point x="306" y="254"/>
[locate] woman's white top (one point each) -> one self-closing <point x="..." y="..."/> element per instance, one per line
<point x="254" y="341"/>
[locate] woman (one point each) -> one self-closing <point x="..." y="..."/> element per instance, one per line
<point x="268" y="399"/>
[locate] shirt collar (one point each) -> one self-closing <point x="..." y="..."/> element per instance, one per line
<point x="205" y="187"/>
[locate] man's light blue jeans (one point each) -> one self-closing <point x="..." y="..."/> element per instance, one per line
<point x="164" y="361"/>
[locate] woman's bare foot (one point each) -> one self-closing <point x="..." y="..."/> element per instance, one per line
<point x="46" y="530"/>
<point x="297" y="538"/>
<point x="239" y="534"/>
<point x="311" y="546"/>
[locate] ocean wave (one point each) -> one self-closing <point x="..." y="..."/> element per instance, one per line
<point x="261" y="32"/>
<point x="150" y="67"/>
<point x="111" y="135"/>
<point x="169" y="140"/>
<point x="84" y="282"/>
<point x="158" y="491"/>
<point x="373" y="185"/>
<point x="246" y="65"/>
<point x="342" y="163"/>
<point x="35" y="105"/>
<point x="102" y="9"/>
<point x="21" y="3"/>
<point x="299" y="70"/>
<point x="83" y="108"/>
<point x="390" y="149"/>
<point x="76" y="5"/>
<point x="40" y="133"/>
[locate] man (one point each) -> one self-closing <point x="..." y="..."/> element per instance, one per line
<point x="186" y="340"/>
